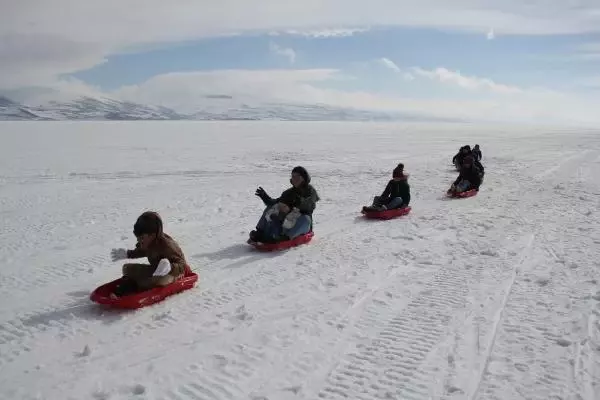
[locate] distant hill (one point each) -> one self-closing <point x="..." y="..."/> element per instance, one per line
<point x="98" y="109"/>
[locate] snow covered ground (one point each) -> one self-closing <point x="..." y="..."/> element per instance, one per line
<point x="492" y="297"/>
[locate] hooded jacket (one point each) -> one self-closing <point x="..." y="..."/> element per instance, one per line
<point x="164" y="246"/>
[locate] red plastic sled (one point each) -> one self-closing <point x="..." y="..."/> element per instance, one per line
<point x="387" y="214"/>
<point x="468" y="193"/>
<point x="102" y="295"/>
<point x="302" y="239"/>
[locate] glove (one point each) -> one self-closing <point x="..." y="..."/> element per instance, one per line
<point x="118" y="254"/>
<point x="164" y="267"/>
<point x="260" y="192"/>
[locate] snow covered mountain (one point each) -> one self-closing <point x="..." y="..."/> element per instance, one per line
<point x="89" y="108"/>
<point x="85" y="108"/>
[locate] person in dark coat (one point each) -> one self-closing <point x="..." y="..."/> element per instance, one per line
<point x="459" y="157"/>
<point x="477" y="153"/>
<point x="469" y="177"/>
<point x="289" y="215"/>
<point x="396" y="193"/>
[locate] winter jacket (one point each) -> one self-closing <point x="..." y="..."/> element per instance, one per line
<point x="471" y="174"/>
<point x="460" y="156"/>
<point x="304" y="198"/>
<point x="477" y="154"/>
<point x="164" y="246"/>
<point x="479" y="166"/>
<point x="397" y="188"/>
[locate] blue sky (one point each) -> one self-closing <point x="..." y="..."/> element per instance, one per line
<point x="515" y="60"/>
<point x="429" y="56"/>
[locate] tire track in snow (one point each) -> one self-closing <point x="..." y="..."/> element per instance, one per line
<point x="498" y="318"/>
<point x="527" y="336"/>
<point x="388" y="366"/>
<point x="532" y="357"/>
<point x="395" y="362"/>
<point x="305" y="365"/>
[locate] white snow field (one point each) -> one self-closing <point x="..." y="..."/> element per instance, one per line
<point x="491" y="297"/>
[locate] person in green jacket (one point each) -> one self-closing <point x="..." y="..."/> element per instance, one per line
<point x="396" y="193"/>
<point x="289" y="215"/>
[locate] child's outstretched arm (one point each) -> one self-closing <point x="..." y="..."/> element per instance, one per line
<point x="123" y="254"/>
<point x="136" y="253"/>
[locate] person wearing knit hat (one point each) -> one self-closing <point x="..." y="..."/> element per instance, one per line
<point x="289" y="215"/>
<point x="468" y="178"/>
<point x="396" y="193"/>
<point x="166" y="259"/>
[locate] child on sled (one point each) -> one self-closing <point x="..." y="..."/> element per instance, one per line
<point x="396" y="193"/>
<point x="166" y="259"/>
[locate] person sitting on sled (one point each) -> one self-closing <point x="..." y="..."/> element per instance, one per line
<point x="166" y="259"/>
<point x="290" y="215"/>
<point x="396" y="193"/>
<point x="477" y="153"/>
<point x="465" y="151"/>
<point x="461" y="153"/>
<point x="469" y="177"/>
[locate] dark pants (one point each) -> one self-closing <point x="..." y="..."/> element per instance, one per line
<point x="389" y="203"/>
<point x="273" y="228"/>
<point x="141" y="274"/>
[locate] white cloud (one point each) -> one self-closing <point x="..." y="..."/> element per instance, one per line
<point x="40" y="39"/>
<point x="386" y="62"/>
<point x="589" y="83"/>
<point x="389" y="64"/>
<point x="188" y="91"/>
<point x="288" y="53"/>
<point x="491" y="35"/>
<point x="324" y="33"/>
<point x="34" y="59"/>
<point x="468" y="82"/>
<point x="588" y="51"/>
